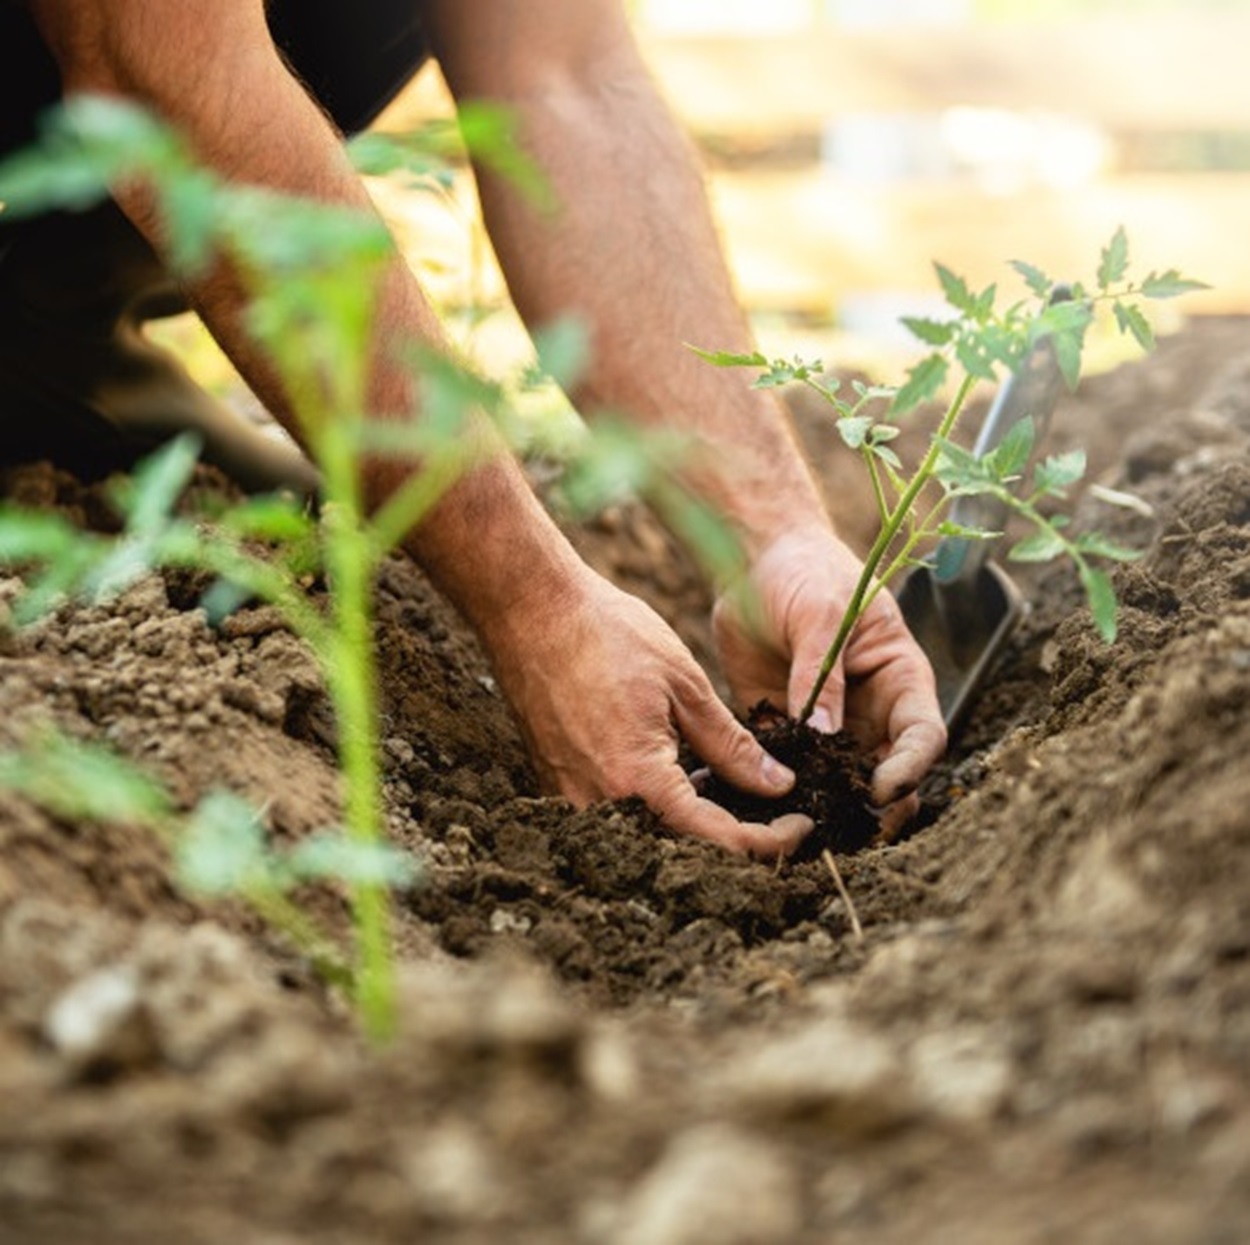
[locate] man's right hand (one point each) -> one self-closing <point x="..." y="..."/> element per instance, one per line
<point x="605" y="690"/>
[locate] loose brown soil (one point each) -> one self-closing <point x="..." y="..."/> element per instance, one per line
<point x="612" y="1035"/>
<point x="833" y="784"/>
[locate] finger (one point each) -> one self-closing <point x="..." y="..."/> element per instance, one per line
<point x="674" y="800"/>
<point x="897" y="815"/>
<point x="781" y="836"/>
<point x="910" y="757"/>
<point x="804" y="671"/>
<point x="727" y="747"/>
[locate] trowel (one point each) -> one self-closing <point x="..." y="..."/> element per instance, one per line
<point x="961" y="605"/>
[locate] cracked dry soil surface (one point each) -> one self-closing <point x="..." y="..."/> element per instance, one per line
<point x="609" y="1035"/>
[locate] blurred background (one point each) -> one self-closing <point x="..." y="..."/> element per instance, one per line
<point x="849" y="143"/>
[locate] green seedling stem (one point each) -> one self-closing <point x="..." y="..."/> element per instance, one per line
<point x="977" y="340"/>
<point x="868" y="585"/>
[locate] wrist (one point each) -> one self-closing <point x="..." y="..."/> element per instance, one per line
<point x="494" y="552"/>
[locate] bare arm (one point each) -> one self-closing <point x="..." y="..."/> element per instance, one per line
<point x="633" y="253"/>
<point x="210" y="68"/>
<point x="601" y="686"/>
<point x="631" y="249"/>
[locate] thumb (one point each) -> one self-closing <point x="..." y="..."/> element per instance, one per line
<point x="805" y="670"/>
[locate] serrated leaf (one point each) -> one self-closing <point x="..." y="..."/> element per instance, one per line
<point x="854" y="430"/>
<point x="1041" y="546"/>
<point x="974" y="359"/>
<point x="931" y="332"/>
<point x="887" y="456"/>
<point x="1170" y="284"/>
<point x="924" y="380"/>
<point x="279" y="519"/>
<point x="1100" y="593"/>
<point x="1131" y="321"/>
<point x="1100" y="546"/>
<point x="955" y="289"/>
<point x="1034" y="278"/>
<point x="1011" y="455"/>
<point x="958" y="466"/>
<point x="729" y="358"/>
<point x="1114" y="263"/>
<point x="1056" y="473"/>
<point x="1068" y="350"/>
<point x="960" y="531"/>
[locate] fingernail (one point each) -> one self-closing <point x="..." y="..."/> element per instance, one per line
<point x="821" y="721"/>
<point x="777" y="775"/>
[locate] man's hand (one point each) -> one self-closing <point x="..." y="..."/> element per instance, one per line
<point x="773" y="636"/>
<point x="604" y="691"/>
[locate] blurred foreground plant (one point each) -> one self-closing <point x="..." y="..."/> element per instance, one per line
<point x="312" y="273"/>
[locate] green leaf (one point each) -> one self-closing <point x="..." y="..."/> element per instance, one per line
<point x="1041" y="546"/>
<point x="1131" y="320"/>
<point x="1034" y="278"/>
<point x="489" y="133"/>
<point x="1065" y="323"/>
<point x="854" y="430"/>
<point x="334" y="857"/>
<point x="931" y="332"/>
<point x="563" y="349"/>
<point x="974" y="358"/>
<point x="222" y="850"/>
<point x="1100" y="594"/>
<point x="924" y="380"/>
<point x="282" y="520"/>
<point x="887" y="456"/>
<point x="74" y="779"/>
<point x="983" y="304"/>
<point x="959" y="531"/>
<point x="157" y="482"/>
<point x="1054" y="474"/>
<point x="1100" y="546"/>
<point x="728" y="358"/>
<point x="1010" y="457"/>
<point x="959" y="467"/>
<point x="956" y="290"/>
<point x="1114" y="262"/>
<point x="1170" y="284"/>
<point x="1068" y="350"/>
<point x="32" y="536"/>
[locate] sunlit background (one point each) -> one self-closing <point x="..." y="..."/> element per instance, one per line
<point x="849" y="143"/>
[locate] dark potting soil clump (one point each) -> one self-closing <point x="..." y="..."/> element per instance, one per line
<point x="832" y="787"/>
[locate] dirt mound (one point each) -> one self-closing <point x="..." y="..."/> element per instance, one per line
<point x="612" y="1035"/>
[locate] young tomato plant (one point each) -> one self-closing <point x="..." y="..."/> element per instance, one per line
<point x="312" y="272"/>
<point x="974" y="344"/>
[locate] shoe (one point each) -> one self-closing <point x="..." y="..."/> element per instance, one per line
<point x="82" y="385"/>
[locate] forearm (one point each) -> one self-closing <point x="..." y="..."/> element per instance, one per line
<point x="210" y="69"/>
<point x="632" y="252"/>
